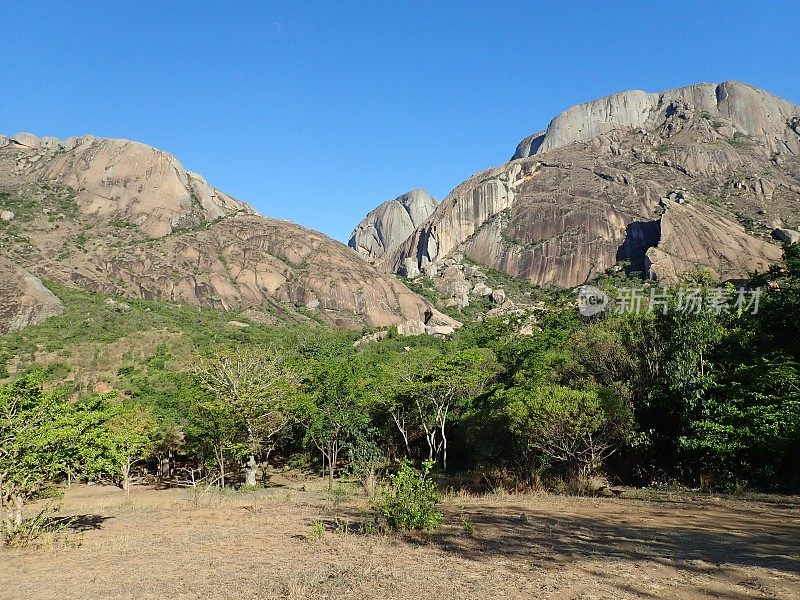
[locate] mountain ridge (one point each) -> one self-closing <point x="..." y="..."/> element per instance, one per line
<point x="570" y="204"/>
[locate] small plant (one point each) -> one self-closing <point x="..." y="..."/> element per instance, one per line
<point x="339" y="495"/>
<point x="412" y="500"/>
<point x="317" y="530"/>
<point x="370" y="528"/>
<point x="244" y="488"/>
<point x="467" y="525"/>
<point x="342" y="527"/>
<point x="36" y="530"/>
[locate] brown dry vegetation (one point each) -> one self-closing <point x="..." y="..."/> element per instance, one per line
<point x="170" y="543"/>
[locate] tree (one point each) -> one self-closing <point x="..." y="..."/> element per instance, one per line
<point x="392" y="385"/>
<point x="134" y="434"/>
<point x="578" y="428"/>
<point x="335" y="408"/>
<point x="213" y="429"/>
<point x="448" y="381"/>
<point x="252" y="394"/>
<point x="44" y="437"/>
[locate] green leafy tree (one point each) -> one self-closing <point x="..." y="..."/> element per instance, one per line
<point x="577" y="428"/>
<point x="335" y="408"/>
<point x="252" y="395"/>
<point x="134" y="434"/>
<point x="392" y="387"/>
<point x="448" y="382"/>
<point x="44" y="438"/>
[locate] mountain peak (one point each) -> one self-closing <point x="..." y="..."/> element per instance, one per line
<point x="122" y="180"/>
<point x="749" y="110"/>
<point x="390" y="223"/>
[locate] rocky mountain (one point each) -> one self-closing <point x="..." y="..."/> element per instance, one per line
<point x="129" y="220"/>
<point x="388" y="225"/>
<point x="700" y="177"/>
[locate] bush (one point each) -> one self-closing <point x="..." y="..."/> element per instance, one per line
<point x="412" y="500"/>
<point x="317" y="530"/>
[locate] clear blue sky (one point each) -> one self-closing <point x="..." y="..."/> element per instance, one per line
<point x="316" y="112"/>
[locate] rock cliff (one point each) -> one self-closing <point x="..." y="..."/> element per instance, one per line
<point x="388" y="225"/>
<point x="663" y="183"/>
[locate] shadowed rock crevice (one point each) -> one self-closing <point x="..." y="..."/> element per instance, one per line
<point x="640" y="237"/>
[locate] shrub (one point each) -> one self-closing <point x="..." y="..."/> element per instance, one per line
<point x="412" y="500"/>
<point x="317" y="530"/>
<point x="467" y="525"/>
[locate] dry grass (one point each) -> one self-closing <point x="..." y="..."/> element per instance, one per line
<point x="172" y="544"/>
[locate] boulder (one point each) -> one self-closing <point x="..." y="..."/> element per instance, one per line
<point x="499" y="296"/>
<point x="439" y="330"/>
<point x="370" y="338"/>
<point x="775" y="224"/>
<point x="482" y="290"/>
<point x="117" y="305"/>
<point x="6" y="215"/>
<point x="410" y="268"/>
<point x="453" y="284"/>
<point x="411" y="328"/>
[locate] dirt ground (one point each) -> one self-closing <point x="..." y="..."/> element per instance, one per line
<point x="170" y="543"/>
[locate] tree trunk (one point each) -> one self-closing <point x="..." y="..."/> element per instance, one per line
<point x="220" y="456"/>
<point x="401" y="427"/>
<point x="331" y="465"/>
<point x="250" y="471"/>
<point x="17" y="510"/>
<point x="2" y="507"/>
<point x="444" y="450"/>
<point x="126" y="478"/>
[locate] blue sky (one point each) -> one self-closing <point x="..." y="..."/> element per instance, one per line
<point x="316" y="112"/>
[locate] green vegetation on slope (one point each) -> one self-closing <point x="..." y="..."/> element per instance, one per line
<point x="701" y="398"/>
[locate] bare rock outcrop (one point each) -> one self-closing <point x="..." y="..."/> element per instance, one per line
<point x="120" y="180"/>
<point x="687" y="233"/>
<point x="24" y="300"/>
<point x="388" y="225"/>
<point x="739" y="107"/>
<point x="589" y="193"/>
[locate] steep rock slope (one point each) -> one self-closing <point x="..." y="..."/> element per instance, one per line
<point x="127" y="219"/>
<point x="691" y="178"/>
<point x="388" y="225"/>
<point x="25" y="301"/>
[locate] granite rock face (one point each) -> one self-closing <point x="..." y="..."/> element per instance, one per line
<point x="123" y="181"/>
<point x="25" y="300"/>
<point x="128" y="220"/>
<point x="388" y="225"/>
<point x="661" y="183"/>
<point x="740" y="107"/>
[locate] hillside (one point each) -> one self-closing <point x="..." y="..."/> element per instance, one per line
<point x="128" y="220"/>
